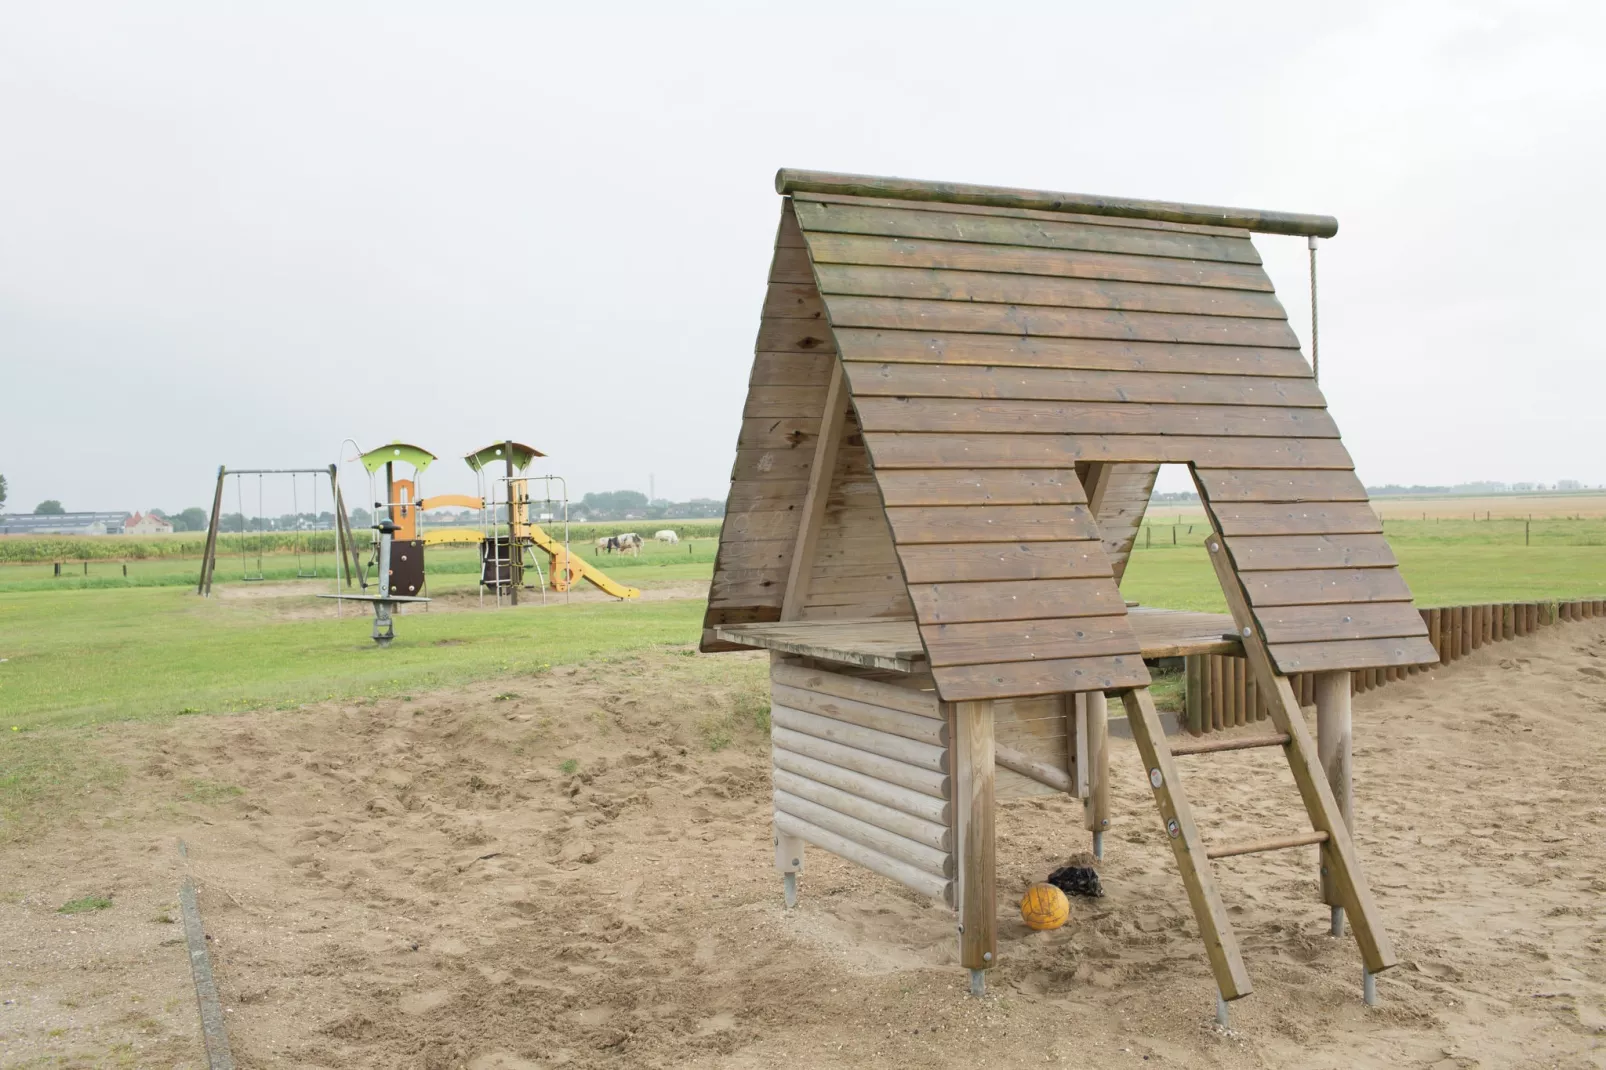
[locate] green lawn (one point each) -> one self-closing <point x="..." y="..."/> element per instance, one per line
<point x="90" y="655"/>
<point x="79" y="657"/>
<point x="1440" y="573"/>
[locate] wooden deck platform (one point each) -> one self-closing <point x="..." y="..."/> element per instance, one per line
<point x="894" y="645"/>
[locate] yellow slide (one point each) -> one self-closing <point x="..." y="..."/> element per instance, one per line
<point x="577" y="567"/>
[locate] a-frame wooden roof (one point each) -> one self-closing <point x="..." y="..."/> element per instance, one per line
<point x="1011" y="374"/>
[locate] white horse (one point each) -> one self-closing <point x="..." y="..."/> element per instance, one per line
<point x="668" y="536"/>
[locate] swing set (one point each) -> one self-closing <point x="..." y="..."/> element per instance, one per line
<point x="253" y="536"/>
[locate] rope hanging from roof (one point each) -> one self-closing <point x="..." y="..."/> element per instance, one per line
<point x="1315" y="351"/>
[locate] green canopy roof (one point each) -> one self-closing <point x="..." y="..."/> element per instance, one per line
<point x="416" y="456"/>
<point x="522" y="455"/>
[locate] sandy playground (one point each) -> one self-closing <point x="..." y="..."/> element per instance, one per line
<point x="418" y="883"/>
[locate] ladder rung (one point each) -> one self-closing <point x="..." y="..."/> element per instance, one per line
<point x="1261" y="846"/>
<point x="1211" y="746"/>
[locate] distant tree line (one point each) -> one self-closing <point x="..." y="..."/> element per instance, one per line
<point x="1484" y="487"/>
<point x="633" y="505"/>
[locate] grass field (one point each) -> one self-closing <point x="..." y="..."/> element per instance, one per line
<point x="78" y="656"/>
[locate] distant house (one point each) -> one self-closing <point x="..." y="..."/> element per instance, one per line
<point x="146" y="524"/>
<point x="61" y="523"/>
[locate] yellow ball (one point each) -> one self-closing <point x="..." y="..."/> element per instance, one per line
<point x="1044" y="907"/>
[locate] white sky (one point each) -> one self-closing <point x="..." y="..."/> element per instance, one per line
<point x="241" y="233"/>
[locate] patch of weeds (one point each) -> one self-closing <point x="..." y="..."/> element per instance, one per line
<point x="188" y="711"/>
<point x="687" y="653"/>
<point x="569" y="766"/>
<point x="753" y="707"/>
<point x="505" y="696"/>
<point x="88" y="904"/>
<point x="165" y="918"/>
<point x="477" y="783"/>
<point x="44" y="777"/>
<point x="600" y="719"/>
<point x="749" y="712"/>
<point x="209" y="791"/>
<point x="1169" y="688"/>
<point x="716" y="732"/>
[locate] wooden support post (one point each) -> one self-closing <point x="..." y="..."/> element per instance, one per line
<point x="1232" y="980"/>
<point x="789" y="863"/>
<point x="1377" y="951"/>
<point x="209" y="554"/>
<point x="971" y="730"/>
<point x="1508" y="621"/>
<point x="1333" y="735"/>
<point x="1195" y="689"/>
<point x="1096" y="808"/>
<point x="799" y="575"/>
<point x="1466" y="631"/>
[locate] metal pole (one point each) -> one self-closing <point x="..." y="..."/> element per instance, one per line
<point x="512" y="549"/>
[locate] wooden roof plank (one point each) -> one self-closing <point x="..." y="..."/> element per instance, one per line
<point x="963" y="683"/>
<point x="1296" y="518"/>
<point x="1092" y="354"/>
<point x="1362" y="620"/>
<point x="1254" y="483"/>
<point x="916" y="524"/>
<point x="1002" y="212"/>
<point x="962" y="603"/>
<point x="962" y="562"/>
<point x="989" y="229"/>
<point x="1009" y="289"/>
<point x="1325" y="587"/>
<point x="981" y="486"/>
<point x="873" y="251"/>
<point x="1282" y="553"/>
<point x="884" y="379"/>
<point x="997" y="642"/>
<point x="918" y="450"/>
<point x="1049" y="321"/>
<point x="1331" y="654"/>
<point x="1036" y="416"/>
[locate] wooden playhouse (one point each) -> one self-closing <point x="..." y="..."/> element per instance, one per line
<point x="959" y="401"/>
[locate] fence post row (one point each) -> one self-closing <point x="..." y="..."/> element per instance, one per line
<point x="1219" y="694"/>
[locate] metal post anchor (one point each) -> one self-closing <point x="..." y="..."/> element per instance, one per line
<point x="1221" y="1012"/>
<point x="1338" y="921"/>
<point x="789" y="882"/>
<point x="1098" y="845"/>
<point x="978" y="982"/>
<point x="1368" y="987"/>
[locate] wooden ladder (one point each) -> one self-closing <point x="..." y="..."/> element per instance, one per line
<point x="1340" y="862"/>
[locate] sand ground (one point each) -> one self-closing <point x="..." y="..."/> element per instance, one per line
<point x="419" y="883"/>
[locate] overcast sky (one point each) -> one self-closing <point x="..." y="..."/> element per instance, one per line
<point x="238" y="234"/>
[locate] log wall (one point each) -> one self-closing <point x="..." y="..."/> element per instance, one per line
<point x="863" y="768"/>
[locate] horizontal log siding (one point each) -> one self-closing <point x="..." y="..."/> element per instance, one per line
<point x="863" y="773"/>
